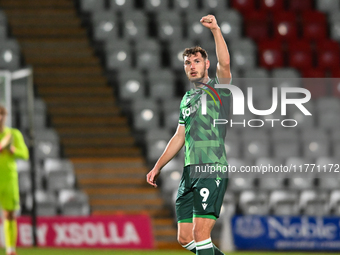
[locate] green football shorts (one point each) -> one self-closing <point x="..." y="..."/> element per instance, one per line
<point x="9" y="195"/>
<point x="200" y="196"/>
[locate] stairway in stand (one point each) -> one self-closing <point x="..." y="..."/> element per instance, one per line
<point x="94" y="134"/>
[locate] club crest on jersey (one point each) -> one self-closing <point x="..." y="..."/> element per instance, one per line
<point x="218" y="181"/>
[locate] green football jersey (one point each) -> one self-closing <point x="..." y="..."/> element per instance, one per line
<point x="204" y="143"/>
<point x="8" y="167"/>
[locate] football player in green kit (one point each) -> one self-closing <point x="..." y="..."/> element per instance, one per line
<point x="199" y="200"/>
<point x="12" y="147"/>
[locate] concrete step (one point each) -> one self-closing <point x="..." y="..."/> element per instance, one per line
<point x="75" y="91"/>
<point x="44" y="22"/>
<point x="81" y="101"/>
<point x="168" y="245"/>
<point x="113" y="151"/>
<point x="85" y="111"/>
<point x="73" y="82"/>
<point x="107" y="182"/>
<point x="48" y="43"/>
<point x="155" y="213"/>
<point x="163" y="223"/>
<point x="37" y="4"/>
<point x="121" y="171"/>
<point x="93" y="130"/>
<point x="94" y="81"/>
<point x="137" y="207"/>
<point x="98" y="163"/>
<point x="104" y="141"/>
<point x="60" y="32"/>
<point x="158" y="202"/>
<point x="121" y="191"/>
<point x="62" y="61"/>
<point x="65" y="134"/>
<point x="167" y="233"/>
<point x="117" y="173"/>
<point x="89" y="121"/>
<point x="131" y="196"/>
<point x="164" y="228"/>
<point x="66" y="52"/>
<point x="41" y="13"/>
<point x="167" y="239"/>
<point x="68" y="71"/>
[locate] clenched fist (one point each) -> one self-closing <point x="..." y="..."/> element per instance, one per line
<point x="210" y="22"/>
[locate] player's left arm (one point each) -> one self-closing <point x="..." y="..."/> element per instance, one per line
<point x="5" y="142"/>
<point x="18" y="147"/>
<point x="222" y="53"/>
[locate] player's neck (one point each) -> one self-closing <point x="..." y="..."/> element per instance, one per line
<point x="200" y="83"/>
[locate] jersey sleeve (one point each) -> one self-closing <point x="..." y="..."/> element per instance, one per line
<point x="21" y="151"/>
<point x="181" y="118"/>
<point x="222" y="92"/>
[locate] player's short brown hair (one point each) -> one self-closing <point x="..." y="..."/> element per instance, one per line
<point x="3" y="110"/>
<point x="193" y="50"/>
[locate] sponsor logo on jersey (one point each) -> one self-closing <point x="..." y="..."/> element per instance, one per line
<point x="188" y="111"/>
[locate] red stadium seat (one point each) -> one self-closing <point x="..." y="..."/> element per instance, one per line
<point x="285" y="26"/>
<point x="271" y="54"/>
<point x="314" y="26"/>
<point x="313" y="73"/>
<point x="300" y="54"/>
<point x="256" y="25"/>
<point x="335" y="73"/>
<point x="272" y="5"/>
<point x="300" y="5"/>
<point x="317" y="85"/>
<point x="244" y="6"/>
<point x="335" y="82"/>
<point x="328" y="54"/>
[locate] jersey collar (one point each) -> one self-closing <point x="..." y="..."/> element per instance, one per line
<point x="204" y="87"/>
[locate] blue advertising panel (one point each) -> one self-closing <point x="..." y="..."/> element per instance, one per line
<point x="286" y="233"/>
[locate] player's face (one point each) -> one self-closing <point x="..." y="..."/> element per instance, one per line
<point x="195" y="67"/>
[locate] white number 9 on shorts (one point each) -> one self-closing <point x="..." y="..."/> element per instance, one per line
<point x="204" y="192"/>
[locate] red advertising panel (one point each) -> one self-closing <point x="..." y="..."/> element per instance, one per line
<point x="118" y="231"/>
